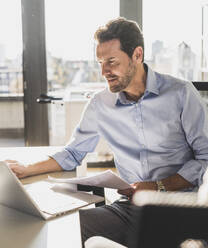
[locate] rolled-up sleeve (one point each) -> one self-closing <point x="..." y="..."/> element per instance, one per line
<point x="195" y="125"/>
<point x="84" y="139"/>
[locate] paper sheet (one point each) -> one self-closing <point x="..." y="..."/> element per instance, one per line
<point x="106" y="179"/>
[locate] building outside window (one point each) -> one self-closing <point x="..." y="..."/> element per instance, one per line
<point x="173" y="37"/>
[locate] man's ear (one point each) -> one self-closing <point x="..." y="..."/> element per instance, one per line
<point x="138" y="54"/>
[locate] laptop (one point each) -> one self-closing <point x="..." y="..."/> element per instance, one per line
<point x="42" y="199"/>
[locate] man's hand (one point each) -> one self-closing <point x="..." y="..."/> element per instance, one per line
<point x="19" y="169"/>
<point x="138" y="186"/>
<point x="127" y="192"/>
<point x="45" y="166"/>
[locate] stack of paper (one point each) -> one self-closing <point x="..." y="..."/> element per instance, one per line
<point x="106" y="179"/>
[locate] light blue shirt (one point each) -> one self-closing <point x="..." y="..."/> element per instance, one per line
<point x="164" y="133"/>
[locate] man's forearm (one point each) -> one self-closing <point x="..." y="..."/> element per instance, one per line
<point x="49" y="165"/>
<point x="176" y="182"/>
<point x="171" y="183"/>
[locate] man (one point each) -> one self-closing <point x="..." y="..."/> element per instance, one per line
<point x="156" y="126"/>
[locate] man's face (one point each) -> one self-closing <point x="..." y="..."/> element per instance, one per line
<point x="117" y="67"/>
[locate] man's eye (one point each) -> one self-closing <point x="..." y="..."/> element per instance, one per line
<point x="111" y="62"/>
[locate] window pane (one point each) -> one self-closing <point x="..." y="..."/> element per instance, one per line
<point x="70" y="27"/>
<point x="173" y="37"/>
<point x="204" y="60"/>
<point x="11" y="90"/>
<point x="72" y="70"/>
<point x="10" y="47"/>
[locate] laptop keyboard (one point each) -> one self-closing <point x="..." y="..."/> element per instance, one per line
<point x="52" y="202"/>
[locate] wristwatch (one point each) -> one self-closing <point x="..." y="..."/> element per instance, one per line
<point x="160" y="186"/>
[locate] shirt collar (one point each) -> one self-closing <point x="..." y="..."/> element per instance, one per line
<point x="151" y="87"/>
<point x="151" y="81"/>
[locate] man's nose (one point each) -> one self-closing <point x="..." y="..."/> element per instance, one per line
<point x="105" y="70"/>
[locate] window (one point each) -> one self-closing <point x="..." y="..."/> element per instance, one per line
<point x="10" y="48"/>
<point x="70" y="27"/>
<point x="173" y="38"/>
<point x="11" y="82"/>
<point x="72" y="69"/>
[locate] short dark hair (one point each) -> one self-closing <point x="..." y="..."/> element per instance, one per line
<point x="126" y="31"/>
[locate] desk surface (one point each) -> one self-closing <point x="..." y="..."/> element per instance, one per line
<point x="21" y="230"/>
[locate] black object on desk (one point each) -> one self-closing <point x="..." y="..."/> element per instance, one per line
<point x="95" y="190"/>
<point x="101" y="164"/>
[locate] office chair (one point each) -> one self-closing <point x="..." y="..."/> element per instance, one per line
<point x="201" y="86"/>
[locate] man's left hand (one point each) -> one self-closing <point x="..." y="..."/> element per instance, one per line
<point x="138" y="186"/>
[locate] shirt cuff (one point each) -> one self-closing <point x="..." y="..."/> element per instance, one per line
<point x="65" y="160"/>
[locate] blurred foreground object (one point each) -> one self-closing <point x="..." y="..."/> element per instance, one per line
<point x="203" y="190"/>
<point x="101" y="242"/>
<point x="191" y="243"/>
<point x="169" y="219"/>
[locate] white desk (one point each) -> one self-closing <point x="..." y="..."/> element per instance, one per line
<point x="21" y="230"/>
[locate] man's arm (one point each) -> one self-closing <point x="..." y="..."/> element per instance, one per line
<point x="21" y="171"/>
<point x="84" y="140"/>
<point x="172" y="183"/>
<point x="194" y="120"/>
<point x="176" y="182"/>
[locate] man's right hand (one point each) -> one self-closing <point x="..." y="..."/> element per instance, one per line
<point x="45" y="166"/>
<point x="19" y="169"/>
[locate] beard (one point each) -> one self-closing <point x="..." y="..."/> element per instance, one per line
<point x="122" y="83"/>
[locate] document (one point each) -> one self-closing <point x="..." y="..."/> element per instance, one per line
<point x="106" y="179"/>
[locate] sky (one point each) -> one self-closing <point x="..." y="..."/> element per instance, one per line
<point x="70" y="25"/>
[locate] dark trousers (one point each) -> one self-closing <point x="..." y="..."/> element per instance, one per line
<point x="110" y="221"/>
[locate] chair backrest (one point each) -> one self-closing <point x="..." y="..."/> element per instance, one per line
<point x="201" y="86"/>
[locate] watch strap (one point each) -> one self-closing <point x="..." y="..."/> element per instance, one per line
<point x="160" y="186"/>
